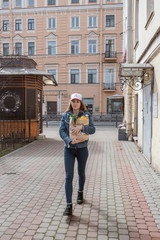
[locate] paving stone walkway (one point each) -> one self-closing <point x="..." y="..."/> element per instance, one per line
<point x="122" y="192"/>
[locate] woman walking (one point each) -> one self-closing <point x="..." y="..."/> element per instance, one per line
<point x="75" y="146"/>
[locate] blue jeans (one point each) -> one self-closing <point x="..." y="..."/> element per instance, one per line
<point x="69" y="159"/>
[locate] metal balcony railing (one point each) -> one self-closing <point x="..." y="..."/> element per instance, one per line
<point x="110" y="54"/>
<point x="109" y="86"/>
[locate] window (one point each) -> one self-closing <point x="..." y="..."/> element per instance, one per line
<point x="18" y="24"/>
<point x="109" y="79"/>
<point x="150" y="8"/>
<point x="75" y="1"/>
<point x="51" y="47"/>
<point x="5" y="3"/>
<point x="74" y="76"/>
<point x="92" y="46"/>
<point x="114" y="105"/>
<point x="92" y="21"/>
<point x="75" y="22"/>
<point x="110" y="21"/>
<point x="90" y="1"/>
<point x="51" y="2"/>
<point x="31" y="48"/>
<point x="30" y="3"/>
<point x="5" y="25"/>
<point x="30" y="24"/>
<point x="18" y="48"/>
<point x="110" y="0"/>
<point x="75" y="47"/>
<point x="92" y="75"/>
<point x="110" y="48"/>
<point x="18" y="3"/>
<point x="51" y="23"/>
<point x="53" y="71"/>
<point x="5" y="49"/>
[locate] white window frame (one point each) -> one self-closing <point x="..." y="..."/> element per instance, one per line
<point x="93" y="16"/>
<point x="31" y="39"/>
<point x="70" y="2"/>
<point x="74" y="67"/>
<point x="31" y="30"/>
<point x="74" y="2"/>
<point x="34" y="48"/>
<point x="52" y="28"/>
<point x="15" y="25"/>
<point x="17" y="6"/>
<point x="8" y="25"/>
<point x="75" y="47"/>
<point x="74" y="19"/>
<point x="52" y="67"/>
<point x="18" y="39"/>
<point x="109" y="67"/>
<point x="92" y="46"/>
<point x="95" y="70"/>
<point x="8" y="48"/>
<point x="51" y="40"/>
<point x="110" y="37"/>
<point x="111" y="27"/>
<point x="21" y="48"/>
<point x="91" y="67"/>
<point x="3" y="5"/>
<point x="31" y="5"/>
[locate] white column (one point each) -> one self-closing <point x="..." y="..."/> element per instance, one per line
<point x="129" y="60"/>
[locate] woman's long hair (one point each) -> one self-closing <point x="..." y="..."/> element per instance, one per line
<point x="82" y="107"/>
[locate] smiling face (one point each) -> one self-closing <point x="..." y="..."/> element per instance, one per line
<point x="75" y="103"/>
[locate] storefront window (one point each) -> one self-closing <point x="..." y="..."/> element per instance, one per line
<point x="115" y="106"/>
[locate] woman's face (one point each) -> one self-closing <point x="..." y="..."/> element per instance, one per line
<point x="76" y="104"/>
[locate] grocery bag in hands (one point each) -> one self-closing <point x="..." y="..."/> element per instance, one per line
<point x="74" y="121"/>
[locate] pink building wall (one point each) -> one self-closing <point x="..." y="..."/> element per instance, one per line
<point x="63" y="61"/>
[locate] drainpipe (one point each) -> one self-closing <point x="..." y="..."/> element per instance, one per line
<point x="129" y="60"/>
<point x="100" y="61"/>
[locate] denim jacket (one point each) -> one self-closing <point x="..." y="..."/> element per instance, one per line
<point x="64" y="129"/>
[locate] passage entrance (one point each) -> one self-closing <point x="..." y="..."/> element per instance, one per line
<point x="51" y="107"/>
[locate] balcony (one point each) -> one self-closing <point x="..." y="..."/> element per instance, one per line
<point x="109" y="87"/>
<point x="110" y="56"/>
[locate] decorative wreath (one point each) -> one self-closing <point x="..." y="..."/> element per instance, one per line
<point x="16" y="102"/>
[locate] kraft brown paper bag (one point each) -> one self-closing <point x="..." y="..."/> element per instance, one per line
<point x="81" y="136"/>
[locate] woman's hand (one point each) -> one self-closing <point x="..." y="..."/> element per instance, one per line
<point x="77" y="129"/>
<point x="75" y="141"/>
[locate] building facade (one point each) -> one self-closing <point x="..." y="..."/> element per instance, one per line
<point x="78" y="41"/>
<point x="142" y="114"/>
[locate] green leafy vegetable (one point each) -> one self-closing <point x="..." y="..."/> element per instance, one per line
<point x="74" y="118"/>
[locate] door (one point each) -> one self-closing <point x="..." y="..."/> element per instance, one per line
<point x="147" y="116"/>
<point x="51" y="107"/>
<point x="89" y="102"/>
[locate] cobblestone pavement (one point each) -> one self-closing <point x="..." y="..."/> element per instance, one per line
<point x="122" y="192"/>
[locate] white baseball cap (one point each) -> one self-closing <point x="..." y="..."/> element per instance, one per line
<point x="76" y="96"/>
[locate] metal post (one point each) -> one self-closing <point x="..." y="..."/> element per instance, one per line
<point x="116" y="121"/>
<point x="29" y="122"/>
